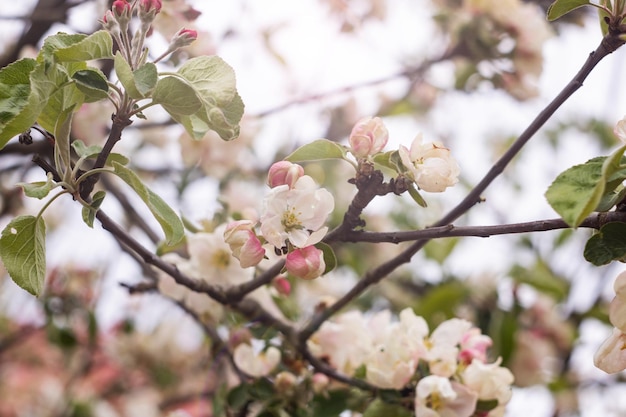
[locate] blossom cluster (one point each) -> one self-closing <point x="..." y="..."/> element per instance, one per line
<point x="429" y="165"/>
<point x="292" y="221"/>
<point x="449" y="365"/>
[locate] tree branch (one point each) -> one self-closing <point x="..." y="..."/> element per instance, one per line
<point x="595" y="221"/>
<point x="607" y="46"/>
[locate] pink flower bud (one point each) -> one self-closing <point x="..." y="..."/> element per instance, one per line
<point x="183" y="37"/>
<point x="284" y="173"/>
<point x="320" y="382"/>
<point x="306" y="263"/>
<point x="244" y="243"/>
<point x="121" y="8"/>
<point x="282" y="285"/>
<point x="368" y="137"/>
<point x="150" y="6"/>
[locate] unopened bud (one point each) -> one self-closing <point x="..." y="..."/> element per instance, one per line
<point x="244" y="243"/>
<point x="284" y="173"/>
<point x="183" y="38"/>
<point x="320" y="382"/>
<point x="282" y="285"/>
<point x="306" y="263"/>
<point x="148" y="9"/>
<point x="368" y="137"/>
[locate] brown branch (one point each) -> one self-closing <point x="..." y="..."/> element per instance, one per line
<point x="120" y="122"/>
<point x="607" y="46"/>
<point x="595" y="221"/>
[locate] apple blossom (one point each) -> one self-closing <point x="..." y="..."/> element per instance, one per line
<point x="443" y="346"/>
<point x="296" y="214"/>
<point x="429" y="165"/>
<point x="344" y="342"/>
<point x="253" y="364"/>
<point x="617" y="308"/>
<point x="436" y="396"/>
<point x="397" y="348"/>
<point x="611" y="355"/>
<point x="489" y="381"/>
<point x="284" y="173"/>
<point x="305" y="263"/>
<point x="244" y="243"/>
<point x="368" y="137"/>
<point x="474" y="345"/>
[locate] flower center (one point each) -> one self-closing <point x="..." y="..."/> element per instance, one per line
<point x="221" y="259"/>
<point x="290" y="220"/>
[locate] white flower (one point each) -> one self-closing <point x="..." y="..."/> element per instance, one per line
<point x="397" y="349"/>
<point x="611" y="355"/>
<point x="345" y="342"/>
<point x="296" y="214"/>
<point x="430" y="165"/>
<point x="436" y="396"/>
<point x="254" y="364"/>
<point x="212" y="261"/>
<point x="443" y="350"/>
<point x="489" y="381"/>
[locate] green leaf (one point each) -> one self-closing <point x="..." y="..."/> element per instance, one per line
<point x="84" y="151"/>
<point x="439" y="249"/>
<point x="92" y="151"/>
<point x="89" y="213"/>
<point x="39" y="189"/>
<point x="484" y="406"/>
<point x="588" y="187"/>
<point x="387" y="160"/>
<point x="139" y="83"/>
<point x="75" y="48"/>
<point x="176" y="96"/>
<point x="24" y="92"/>
<point x="62" y="131"/>
<point x="238" y="396"/>
<point x="23" y="252"/>
<point x="146" y="78"/>
<point x="576" y="192"/>
<point x="170" y="222"/>
<point x="318" y="150"/>
<point x="332" y="404"/>
<point x="65" y="95"/>
<point x="330" y="260"/>
<point x="562" y="7"/>
<point x="378" y="408"/>
<point x="543" y="279"/>
<point x="213" y="82"/>
<point x="125" y="74"/>
<point x="444" y="298"/>
<point x="417" y="197"/>
<point x="92" y="83"/>
<point x="608" y="245"/>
